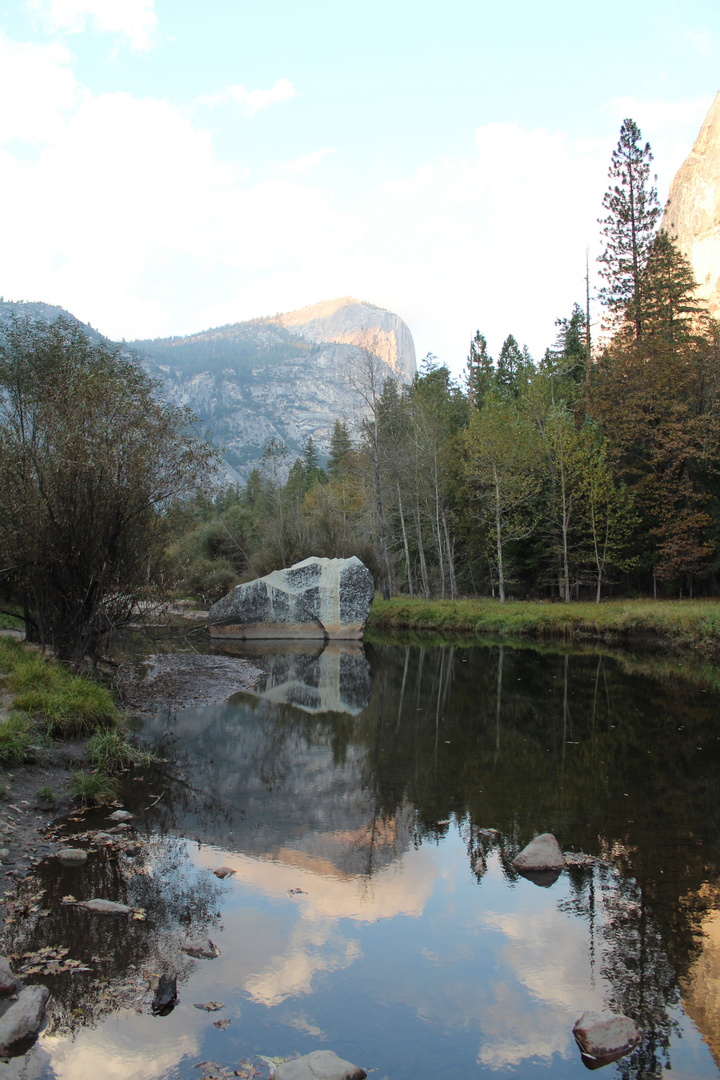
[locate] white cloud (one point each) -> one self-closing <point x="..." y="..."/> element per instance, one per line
<point x="134" y="20"/>
<point x="305" y="165"/>
<point x="130" y="219"/>
<point x="37" y="79"/>
<point x="251" y="101"/>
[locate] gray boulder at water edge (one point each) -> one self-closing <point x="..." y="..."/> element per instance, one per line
<point x="316" y="598"/>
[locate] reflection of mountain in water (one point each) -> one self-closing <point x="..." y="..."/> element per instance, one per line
<point x="336" y="678"/>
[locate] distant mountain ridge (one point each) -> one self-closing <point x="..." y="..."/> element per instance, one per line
<point x="284" y="377"/>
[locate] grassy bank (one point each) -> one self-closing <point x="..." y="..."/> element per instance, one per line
<point x="43" y="702"/>
<point x="691" y="624"/>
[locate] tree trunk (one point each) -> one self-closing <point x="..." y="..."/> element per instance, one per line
<point x="451" y="561"/>
<point x="421" y="553"/>
<point x="405" y="543"/>
<point x="498" y="538"/>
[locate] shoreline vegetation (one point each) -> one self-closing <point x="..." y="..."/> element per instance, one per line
<point x="43" y="704"/>
<point x="685" y="624"/>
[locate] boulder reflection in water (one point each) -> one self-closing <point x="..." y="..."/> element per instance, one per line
<point x="317" y="679"/>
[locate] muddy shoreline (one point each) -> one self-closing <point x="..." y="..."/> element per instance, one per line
<point x="161" y="683"/>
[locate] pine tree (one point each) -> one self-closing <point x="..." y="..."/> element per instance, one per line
<point x="511" y="367"/>
<point x="629" y="227"/>
<point x="340" y="445"/>
<point x="672" y="313"/>
<point x="480" y="371"/>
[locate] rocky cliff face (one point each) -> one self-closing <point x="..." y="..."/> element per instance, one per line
<point x="692" y="213"/>
<point x="350" y="322"/>
<point x="286" y="377"/>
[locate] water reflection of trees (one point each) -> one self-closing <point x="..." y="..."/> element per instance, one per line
<point x="605" y="758"/>
<point x="119" y="952"/>
<point x="521" y="741"/>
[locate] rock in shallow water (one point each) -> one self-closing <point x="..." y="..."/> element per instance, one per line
<point x="315" y="598"/>
<point x="71" y="856"/>
<point x="541" y="855"/>
<point x="320" y="1065"/>
<point x="604" y="1037"/>
<point x="105" y="907"/>
<point x="25" y="1016"/>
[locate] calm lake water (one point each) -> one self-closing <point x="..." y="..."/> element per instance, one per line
<point x="370" y="803"/>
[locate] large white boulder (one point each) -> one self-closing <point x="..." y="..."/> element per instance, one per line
<point x="315" y="598"/>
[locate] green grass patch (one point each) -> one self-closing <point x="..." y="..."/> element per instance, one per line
<point x="693" y="623"/>
<point x="94" y="788"/>
<point x="109" y="752"/>
<point x="19" y="741"/>
<point x="67" y="705"/>
<point x="10" y="622"/>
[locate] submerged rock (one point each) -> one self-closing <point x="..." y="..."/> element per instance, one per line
<point x="121" y="815"/>
<point x="201" y="950"/>
<point x="315" y="598"/>
<point x="224" y="871"/>
<point x="604" y="1037"/>
<point x="541" y="861"/>
<point x="165" y="998"/>
<point x="105" y="907"/>
<point x="320" y="1065"/>
<point x="72" y="856"/>
<point x="24" y="1018"/>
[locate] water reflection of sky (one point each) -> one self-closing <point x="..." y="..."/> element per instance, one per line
<point x="494" y="974"/>
<point x="358" y="919"/>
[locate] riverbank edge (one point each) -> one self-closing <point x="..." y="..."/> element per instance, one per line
<point x="692" y="625"/>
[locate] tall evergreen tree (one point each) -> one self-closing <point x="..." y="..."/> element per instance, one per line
<point x="480" y="371"/>
<point x="340" y="445"/>
<point x="629" y="227"/>
<point x="511" y="367"/>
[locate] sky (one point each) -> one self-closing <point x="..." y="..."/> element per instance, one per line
<point x="168" y="166"/>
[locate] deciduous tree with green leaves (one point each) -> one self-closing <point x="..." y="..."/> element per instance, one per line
<point x="89" y="458"/>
